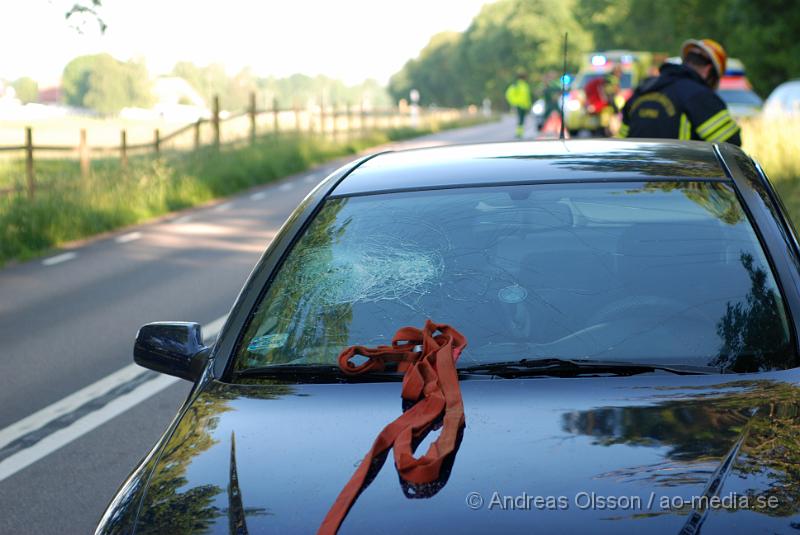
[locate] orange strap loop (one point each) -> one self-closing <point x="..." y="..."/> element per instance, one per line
<point x="431" y="381"/>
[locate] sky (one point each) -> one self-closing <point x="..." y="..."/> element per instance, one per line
<point x="346" y="39"/>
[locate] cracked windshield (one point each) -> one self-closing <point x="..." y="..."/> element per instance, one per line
<point x="578" y="271"/>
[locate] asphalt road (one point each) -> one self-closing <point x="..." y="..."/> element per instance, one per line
<point x="75" y="414"/>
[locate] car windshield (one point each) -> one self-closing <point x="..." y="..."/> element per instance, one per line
<point x="653" y="272"/>
<point x="739" y="96"/>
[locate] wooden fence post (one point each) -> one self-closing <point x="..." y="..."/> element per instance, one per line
<point x="215" y="118"/>
<point x="362" y="123"/>
<point x="297" y="118"/>
<point x="83" y="151"/>
<point x="333" y="122"/>
<point x="157" y="141"/>
<point x="29" y="161"/>
<point x="123" y="149"/>
<point x="348" y="121"/>
<point x="252" y="112"/>
<point x="275" y="126"/>
<point x="322" y="128"/>
<point x="197" y="133"/>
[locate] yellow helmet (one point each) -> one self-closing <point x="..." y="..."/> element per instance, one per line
<point x="709" y="48"/>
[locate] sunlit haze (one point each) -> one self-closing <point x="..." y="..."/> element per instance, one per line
<point x="347" y="39"/>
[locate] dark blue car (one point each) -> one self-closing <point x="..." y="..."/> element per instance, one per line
<point x="631" y="308"/>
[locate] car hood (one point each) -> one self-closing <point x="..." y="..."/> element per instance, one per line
<point x="615" y="454"/>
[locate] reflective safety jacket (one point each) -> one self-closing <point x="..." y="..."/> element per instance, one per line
<point x="596" y="98"/>
<point x="518" y="95"/>
<point x="678" y="105"/>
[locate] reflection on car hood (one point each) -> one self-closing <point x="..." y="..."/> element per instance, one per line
<point x="645" y="442"/>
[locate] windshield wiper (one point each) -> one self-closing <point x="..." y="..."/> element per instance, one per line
<point x="326" y="373"/>
<point x="317" y="373"/>
<point x="573" y="368"/>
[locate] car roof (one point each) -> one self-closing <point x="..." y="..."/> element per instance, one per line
<point x="532" y="162"/>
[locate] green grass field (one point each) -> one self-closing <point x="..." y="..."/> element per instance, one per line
<point x="67" y="206"/>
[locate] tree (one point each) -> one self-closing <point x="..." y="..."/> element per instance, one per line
<point x="435" y="74"/>
<point x="104" y="84"/>
<point x="84" y="12"/>
<point x="513" y="34"/>
<point x="761" y="34"/>
<point x="107" y="93"/>
<point x="764" y="36"/>
<point x="75" y="79"/>
<point x="372" y="92"/>
<point x="26" y="88"/>
<point x="296" y="90"/>
<point x="212" y="80"/>
<point x="457" y="69"/>
<point x="138" y="87"/>
<point x="208" y="81"/>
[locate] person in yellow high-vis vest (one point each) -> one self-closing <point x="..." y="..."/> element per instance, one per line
<point x="518" y="96"/>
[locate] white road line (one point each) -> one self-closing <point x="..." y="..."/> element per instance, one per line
<point x="182" y="219"/>
<point x="68" y="404"/>
<point x="224" y="206"/>
<point x="131" y="236"/>
<point x="13" y="464"/>
<point x="286" y="186"/>
<point x="83" y="425"/>
<point x="258" y="196"/>
<point x="53" y="260"/>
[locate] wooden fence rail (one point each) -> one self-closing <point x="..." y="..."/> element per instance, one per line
<point x="326" y="119"/>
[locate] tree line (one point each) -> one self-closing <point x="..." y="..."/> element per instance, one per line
<point x="462" y="68"/>
<point x="295" y="90"/>
<point x="106" y="85"/>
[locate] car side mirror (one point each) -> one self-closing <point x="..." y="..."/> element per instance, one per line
<point x="174" y="348"/>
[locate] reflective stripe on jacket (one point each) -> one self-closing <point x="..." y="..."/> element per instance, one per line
<point x="678" y="105"/>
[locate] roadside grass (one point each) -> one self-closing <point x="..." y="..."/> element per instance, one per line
<point x="68" y="207"/>
<point x="775" y="143"/>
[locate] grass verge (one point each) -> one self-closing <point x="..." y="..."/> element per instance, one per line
<point x="775" y="143"/>
<point x="68" y="207"/>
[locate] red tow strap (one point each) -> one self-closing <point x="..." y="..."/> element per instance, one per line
<point x="431" y="381"/>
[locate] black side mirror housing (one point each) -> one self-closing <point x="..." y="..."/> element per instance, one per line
<point x="174" y="348"/>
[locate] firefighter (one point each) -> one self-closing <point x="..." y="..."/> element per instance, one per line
<point x="551" y="93"/>
<point x="518" y="96"/>
<point x="681" y="103"/>
<point x="603" y="100"/>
